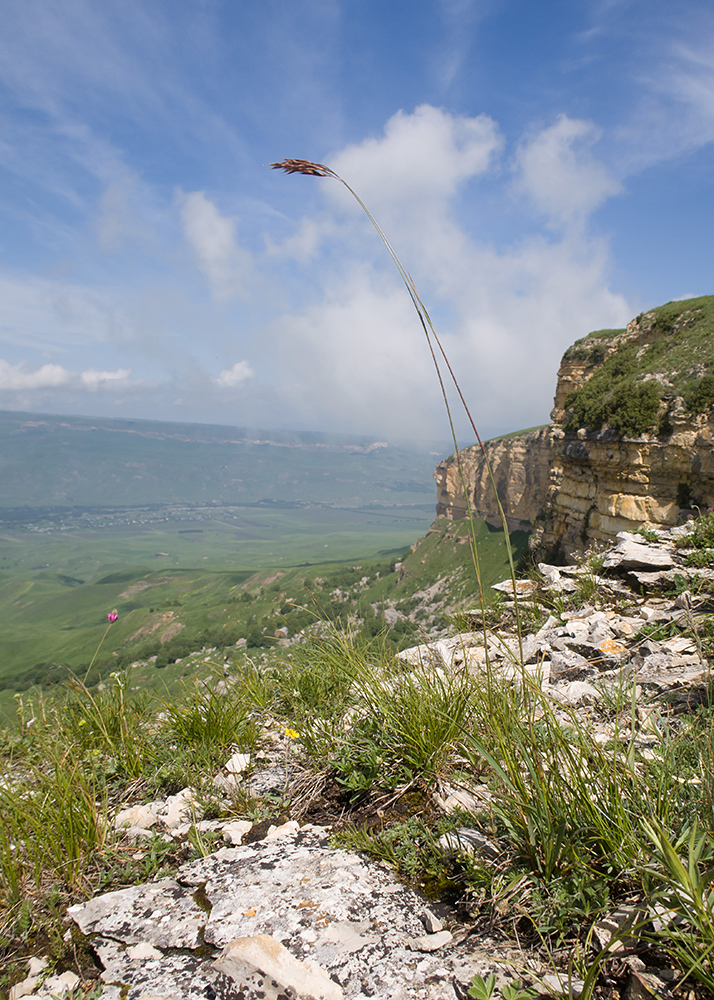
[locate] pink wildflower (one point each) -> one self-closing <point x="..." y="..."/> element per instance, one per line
<point x="112" y="616"/>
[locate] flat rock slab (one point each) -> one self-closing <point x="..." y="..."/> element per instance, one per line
<point x="161" y="913"/>
<point x="345" y="919"/>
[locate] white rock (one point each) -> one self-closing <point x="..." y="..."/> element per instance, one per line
<point x="135" y="833"/>
<point x="431" y="942"/>
<point x="37" y="964"/>
<point x="141" y="913"/>
<point x="238" y="763"/>
<point x="288" y="829"/>
<point x="524" y="588"/>
<point x="451" y="797"/>
<point x="575" y="693"/>
<point x="233" y="833"/>
<point x="179" y="808"/>
<point x="143" y="951"/>
<point x="468" y="841"/>
<point x="423" y="655"/>
<point x="630" y="553"/>
<point x="140" y="817"/>
<point x="431" y="922"/>
<point x="24" y="989"/>
<point x="57" y="986"/>
<point x="266" y="954"/>
<point x="556" y="985"/>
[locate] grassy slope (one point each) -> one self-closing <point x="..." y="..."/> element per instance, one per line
<point x="55" y="617"/>
<point x="683" y="351"/>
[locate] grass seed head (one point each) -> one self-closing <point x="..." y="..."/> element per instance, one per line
<point x="303" y="167"/>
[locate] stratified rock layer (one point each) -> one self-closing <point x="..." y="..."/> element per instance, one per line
<point x="520" y="464"/>
<point x="576" y="487"/>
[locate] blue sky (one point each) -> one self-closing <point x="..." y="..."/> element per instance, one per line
<point x="542" y="169"/>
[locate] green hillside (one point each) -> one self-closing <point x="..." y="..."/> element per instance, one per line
<point x="636" y="383"/>
<point x="54" y="615"/>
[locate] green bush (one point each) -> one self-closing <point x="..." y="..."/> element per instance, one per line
<point x="700" y="397"/>
<point x="614" y="396"/>
<point x="702" y="535"/>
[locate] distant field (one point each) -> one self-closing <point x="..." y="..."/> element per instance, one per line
<point x="230" y="537"/>
<point x="203" y="537"/>
<point x="67" y="461"/>
<point x="57" y="585"/>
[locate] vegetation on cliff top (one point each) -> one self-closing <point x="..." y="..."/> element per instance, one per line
<point x="638" y="380"/>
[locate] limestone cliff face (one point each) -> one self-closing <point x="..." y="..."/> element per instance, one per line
<point x="521" y="469"/>
<point x="574" y="485"/>
<point x="601" y="484"/>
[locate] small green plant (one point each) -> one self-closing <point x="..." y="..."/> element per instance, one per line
<point x="482" y="988"/>
<point x="517" y="991"/>
<point x="684" y="889"/>
<point x="408" y="846"/>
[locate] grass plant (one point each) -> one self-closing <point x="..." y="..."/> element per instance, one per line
<point x="437" y="352"/>
<point x="582" y="825"/>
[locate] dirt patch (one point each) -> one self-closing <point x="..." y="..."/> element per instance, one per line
<point x="136" y="588"/>
<point x="271" y="579"/>
<point x="173" y="630"/>
<point x="159" y="621"/>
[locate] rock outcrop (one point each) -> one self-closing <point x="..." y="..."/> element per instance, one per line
<point x="520" y="464"/>
<point x="638" y="452"/>
<point x="576" y="654"/>
<point x="270" y="919"/>
<point x="282" y="912"/>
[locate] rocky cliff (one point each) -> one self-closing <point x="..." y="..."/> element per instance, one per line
<point x="631" y="443"/>
<point x="520" y="464"/>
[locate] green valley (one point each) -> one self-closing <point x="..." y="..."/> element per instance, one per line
<point x="134" y="516"/>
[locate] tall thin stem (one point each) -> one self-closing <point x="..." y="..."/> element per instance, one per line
<point x="310" y="168"/>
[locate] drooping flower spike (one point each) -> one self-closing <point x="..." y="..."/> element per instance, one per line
<point x="304" y="167"/>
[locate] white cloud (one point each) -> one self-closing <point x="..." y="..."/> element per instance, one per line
<point x="423" y="157"/>
<point x="558" y="172"/>
<point x="94" y="379"/>
<point x="228" y="267"/>
<point x="19" y="377"/>
<point x="22" y="378"/>
<point x="356" y="357"/>
<point x="231" y="377"/>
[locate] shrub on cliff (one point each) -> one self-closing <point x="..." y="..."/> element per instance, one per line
<point x="700" y="397"/>
<point x="615" y="397"/>
<point x="674" y="343"/>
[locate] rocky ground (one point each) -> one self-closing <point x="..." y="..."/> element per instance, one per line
<point x="278" y="911"/>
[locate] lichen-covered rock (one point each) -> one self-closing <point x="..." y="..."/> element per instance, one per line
<point x="288" y="914"/>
